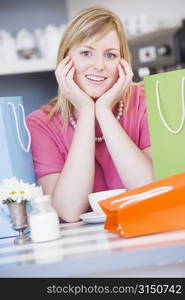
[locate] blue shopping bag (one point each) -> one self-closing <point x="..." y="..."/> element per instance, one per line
<point x="15" y="153"/>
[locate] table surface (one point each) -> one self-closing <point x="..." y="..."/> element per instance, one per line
<point x="88" y="250"/>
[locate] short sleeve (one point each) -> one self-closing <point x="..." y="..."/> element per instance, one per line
<point x="47" y="157"/>
<point x="144" y="134"/>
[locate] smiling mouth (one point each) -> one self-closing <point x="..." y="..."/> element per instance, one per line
<point x="94" y="78"/>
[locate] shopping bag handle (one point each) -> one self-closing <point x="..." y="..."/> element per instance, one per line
<point x="160" y="112"/>
<point x="26" y="149"/>
<point x="142" y="196"/>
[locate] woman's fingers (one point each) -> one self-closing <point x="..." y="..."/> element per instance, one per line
<point x="64" y="69"/>
<point x="70" y="73"/>
<point x="63" y="62"/>
<point x="121" y="72"/>
<point x="65" y="77"/>
<point x="62" y="72"/>
<point x="127" y="69"/>
<point x="121" y="78"/>
<point x="125" y="76"/>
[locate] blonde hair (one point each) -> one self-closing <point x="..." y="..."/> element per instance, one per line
<point x="88" y="23"/>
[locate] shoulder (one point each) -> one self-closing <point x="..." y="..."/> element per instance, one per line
<point x="137" y="100"/>
<point x="138" y="92"/>
<point x="137" y="105"/>
<point x="40" y="116"/>
<point x="135" y="122"/>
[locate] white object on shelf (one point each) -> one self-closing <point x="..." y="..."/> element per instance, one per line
<point x="52" y="38"/>
<point x="144" y="24"/>
<point x="27" y="66"/>
<point x="24" y="40"/>
<point x="7" y="47"/>
<point x="131" y="25"/>
<point x="39" y="37"/>
<point x="48" y="40"/>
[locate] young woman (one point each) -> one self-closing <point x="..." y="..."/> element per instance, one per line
<point x="94" y="135"/>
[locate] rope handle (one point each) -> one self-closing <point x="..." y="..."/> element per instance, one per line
<point x="25" y="149"/>
<point x="160" y="112"/>
<point x="142" y="196"/>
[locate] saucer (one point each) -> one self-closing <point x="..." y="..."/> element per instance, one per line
<point x="93" y="217"/>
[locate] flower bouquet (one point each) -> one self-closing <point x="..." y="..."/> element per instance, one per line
<point x="15" y="193"/>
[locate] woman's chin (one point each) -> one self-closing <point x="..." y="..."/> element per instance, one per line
<point x="95" y="95"/>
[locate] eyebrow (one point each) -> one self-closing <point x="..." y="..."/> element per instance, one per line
<point x="109" y="49"/>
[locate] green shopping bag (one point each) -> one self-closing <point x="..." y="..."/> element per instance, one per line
<point x="165" y="99"/>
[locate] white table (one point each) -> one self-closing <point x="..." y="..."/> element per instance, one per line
<point x="87" y="250"/>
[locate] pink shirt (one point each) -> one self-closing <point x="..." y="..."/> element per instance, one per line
<point x="50" y="143"/>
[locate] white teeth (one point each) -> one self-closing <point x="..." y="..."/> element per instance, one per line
<point x="94" y="78"/>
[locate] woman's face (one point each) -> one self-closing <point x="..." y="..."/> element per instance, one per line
<point x="96" y="64"/>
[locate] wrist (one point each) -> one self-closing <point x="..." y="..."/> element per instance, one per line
<point x="102" y="112"/>
<point x="85" y="107"/>
<point x="87" y="111"/>
<point x="103" y="106"/>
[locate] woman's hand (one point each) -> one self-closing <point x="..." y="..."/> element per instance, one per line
<point x="64" y="75"/>
<point x="112" y="96"/>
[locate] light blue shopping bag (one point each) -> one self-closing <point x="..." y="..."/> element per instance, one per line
<point x="15" y="153"/>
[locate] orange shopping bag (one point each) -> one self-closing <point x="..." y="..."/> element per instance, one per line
<point x="153" y="208"/>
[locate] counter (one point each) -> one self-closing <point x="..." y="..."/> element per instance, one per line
<point x="88" y="250"/>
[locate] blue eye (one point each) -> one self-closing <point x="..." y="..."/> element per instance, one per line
<point x="111" y="55"/>
<point x="85" y="53"/>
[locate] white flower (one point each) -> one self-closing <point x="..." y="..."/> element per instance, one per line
<point x="16" y="190"/>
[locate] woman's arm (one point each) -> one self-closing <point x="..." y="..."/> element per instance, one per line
<point x="133" y="165"/>
<point x="70" y="188"/>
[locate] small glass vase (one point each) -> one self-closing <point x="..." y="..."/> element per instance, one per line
<point x="19" y="221"/>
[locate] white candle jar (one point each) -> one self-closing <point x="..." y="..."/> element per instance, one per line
<point x="43" y="220"/>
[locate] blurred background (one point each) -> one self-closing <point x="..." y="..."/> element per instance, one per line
<point x="30" y="32"/>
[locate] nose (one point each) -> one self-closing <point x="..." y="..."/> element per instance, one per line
<point x="99" y="63"/>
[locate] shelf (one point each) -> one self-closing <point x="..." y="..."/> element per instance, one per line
<point x="27" y="66"/>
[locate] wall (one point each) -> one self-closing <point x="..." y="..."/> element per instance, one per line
<point x="167" y="12"/>
<point x="16" y="14"/>
<point x="36" y="88"/>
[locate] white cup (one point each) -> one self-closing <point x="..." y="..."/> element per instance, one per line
<point x="94" y="198"/>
